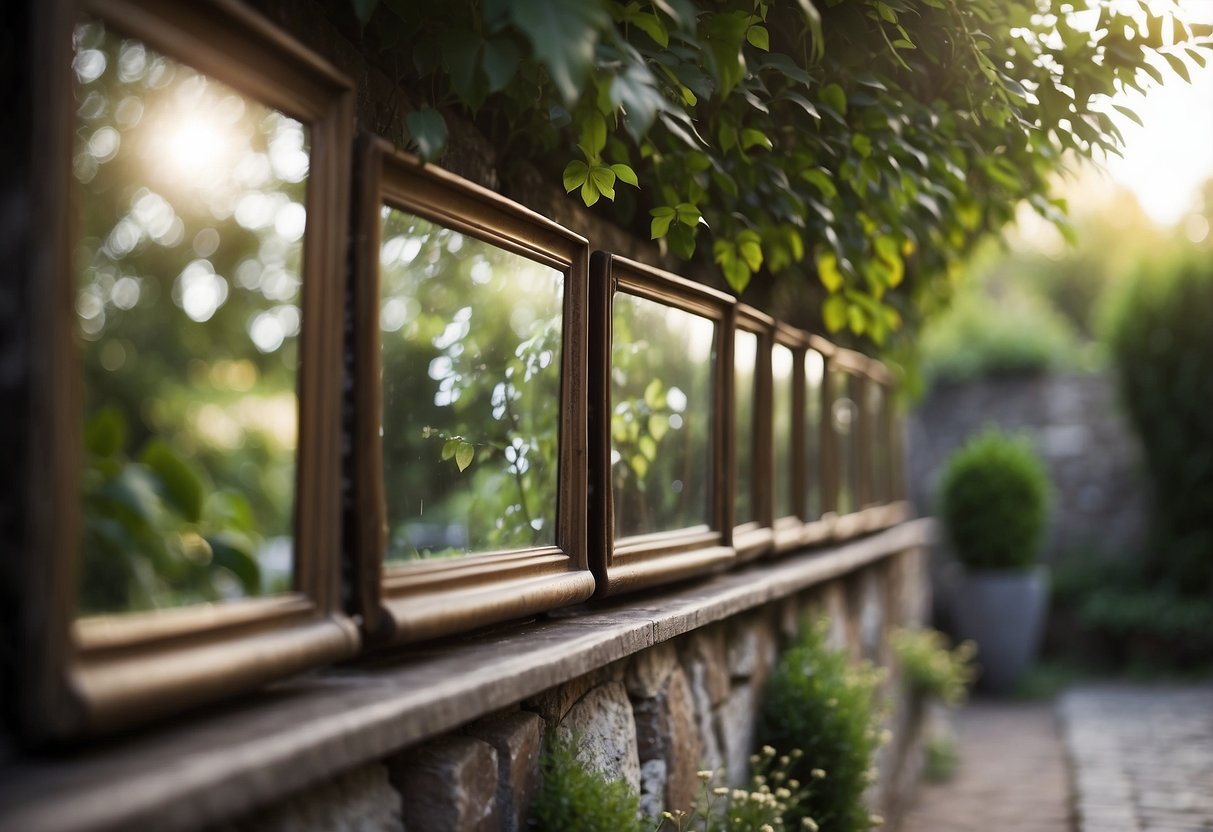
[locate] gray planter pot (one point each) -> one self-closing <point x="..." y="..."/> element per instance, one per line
<point x="1004" y="612"/>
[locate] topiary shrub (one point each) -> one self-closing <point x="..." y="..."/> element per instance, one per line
<point x="1162" y="345"/>
<point x="994" y="501"/>
<point x="818" y="702"/>
<point x="574" y="798"/>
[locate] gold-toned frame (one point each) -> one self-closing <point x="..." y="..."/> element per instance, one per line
<point x="96" y="675"/>
<point x="755" y="537"/>
<point x="648" y="560"/>
<point x="788" y="530"/>
<point x="425" y="600"/>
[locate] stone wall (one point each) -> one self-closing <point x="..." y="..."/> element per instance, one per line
<point x="651" y="720"/>
<point x="1078" y="428"/>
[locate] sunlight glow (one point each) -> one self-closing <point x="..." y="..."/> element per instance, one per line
<point x="196" y="148"/>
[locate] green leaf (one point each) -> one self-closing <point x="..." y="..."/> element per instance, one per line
<point x="593" y="135"/>
<point x="647" y="447"/>
<point x="688" y="214"/>
<point x="885" y="12"/>
<point x="604" y="180"/>
<point x="862" y="145"/>
<point x="501" y="59"/>
<point x="105" y="432"/>
<point x="724" y="33"/>
<point x="820" y="179"/>
<point x="636" y="93"/>
<point x="428" y="130"/>
<point x="625" y="175"/>
<point x="464" y="453"/>
<point x="461" y="59"/>
<point x="834" y="313"/>
<point x="759" y="38"/>
<point x="1177" y="64"/>
<point x="754" y="138"/>
<point x="749" y="248"/>
<point x="833" y="96"/>
<point x="449" y="447"/>
<point x="575" y="174"/>
<point x="662" y="217"/>
<point x="589" y="192"/>
<point x="654" y="394"/>
<point x="652" y="26"/>
<point x="562" y="35"/>
<point x="180" y="479"/>
<point x="827" y="271"/>
<point x="235" y="553"/>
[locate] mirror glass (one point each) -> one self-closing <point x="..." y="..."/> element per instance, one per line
<point x="782" y="363"/>
<point x="190" y="217"/>
<point x="814" y="373"/>
<point x="745" y="358"/>
<point x="661" y="416"/>
<point x="845" y="419"/>
<point x="471" y="350"/>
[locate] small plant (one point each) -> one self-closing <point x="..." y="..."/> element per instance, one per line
<point x="818" y="702"/>
<point x="766" y="807"/>
<point x="931" y="669"/>
<point x="574" y="798"/>
<point x="941" y="759"/>
<point x="994" y="502"/>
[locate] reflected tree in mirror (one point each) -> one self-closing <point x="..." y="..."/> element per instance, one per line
<point x="814" y="371"/>
<point x="662" y="362"/>
<point x="745" y="357"/>
<point x="845" y="415"/>
<point x="190" y="217"/>
<point x="781" y="419"/>
<point x="471" y="349"/>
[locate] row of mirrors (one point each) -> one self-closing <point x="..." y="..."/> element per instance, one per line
<point x="520" y="426"/>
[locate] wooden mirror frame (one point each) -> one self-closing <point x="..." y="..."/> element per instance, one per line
<point x="756" y="537"/>
<point x="95" y="675"/>
<point x="889" y="504"/>
<point x="853" y="366"/>
<point x="424" y="600"/>
<point x="647" y="560"/>
<point x="788" y="530"/>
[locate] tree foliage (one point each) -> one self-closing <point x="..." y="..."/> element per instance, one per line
<point x="870" y="142"/>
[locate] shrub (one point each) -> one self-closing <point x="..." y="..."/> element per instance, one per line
<point x="768" y="804"/>
<point x="816" y="701"/>
<point x="979" y="337"/>
<point x="994" y="502"/>
<point x="931" y="669"/>
<point x="574" y="798"/>
<point x="1162" y="346"/>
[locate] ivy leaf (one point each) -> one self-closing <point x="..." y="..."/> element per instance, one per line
<point x="724" y="33"/>
<point x="688" y="214"/>
<point x="834" y="313"/>
<point x="575" y="174"/>
<point x="681" y="241"/>
<point x="759" y="38"/>
<point x="635" y="91"/>
<point x="604" y="180"/>
<point x="428" y="129"/>
<point x="652" y="26"/>
<point x="1177" y="64"/>
<point x="449" y="447"/>
<point x="625" y="175"/>
<point x="464" y="454"/>
<point x="562" y="36"/>
<point x="501" y="59"/>
<point x="749" y="247"/>
<point x="593" y="135"/>
<point x="827" y="271"/>
<point x="662" y="217"/>
<point x="589" y="192"/>
<point x="754" y="138"/>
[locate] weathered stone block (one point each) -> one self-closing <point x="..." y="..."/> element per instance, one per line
<point x="705" y="655"/>
<point x="667" y="730"/>
<point x="710" y="754"/>
<point x="517" y="738"/>
<point x="654" y="775"/>
<point x="361" y="800"/>
<point x="752" y="650"/>
<point x="605" y="730"/>
<point x="736" y="717"/>
<point x="449" y="785"/>
<point x="554" y="703"/>
<point x="650" y="669"/>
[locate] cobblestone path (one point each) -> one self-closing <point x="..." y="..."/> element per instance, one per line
<point x="1142" y="757"/>
<point x="1012" y="775"/>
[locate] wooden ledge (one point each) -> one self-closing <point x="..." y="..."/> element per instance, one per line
<point x="220" y="764"/>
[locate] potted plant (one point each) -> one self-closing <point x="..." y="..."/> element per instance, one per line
<point x="994" y="503"/>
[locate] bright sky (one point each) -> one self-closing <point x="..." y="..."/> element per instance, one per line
<point x="1166" y="161"/>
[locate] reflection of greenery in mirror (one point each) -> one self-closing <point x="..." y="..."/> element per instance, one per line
<point x="781" y="418"/>
<point x="190" y="202"/>
<point x="471" y="392"/>
<point x="879" y="447"/>
<point x="814" y="369"/>
<point x="846" y="419"/>
<point x="661" y="400"/>
<point x="745" y="354"/>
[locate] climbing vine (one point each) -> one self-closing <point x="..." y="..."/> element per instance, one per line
<point x="864" y="144"/>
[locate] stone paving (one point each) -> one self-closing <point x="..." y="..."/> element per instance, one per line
<point x="1142" y="757"/>
<point x="1012" y="775"/>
